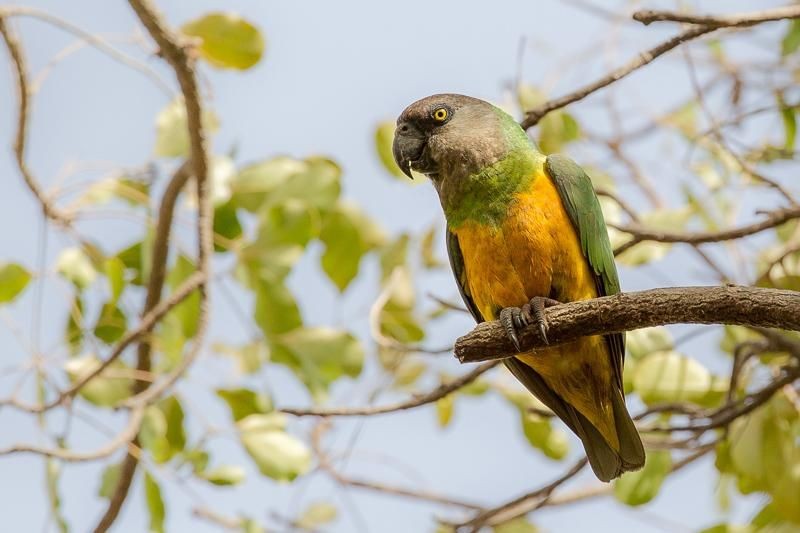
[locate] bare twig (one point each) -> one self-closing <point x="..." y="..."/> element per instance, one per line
<point x="747" y="306"/>
<point x="533" y="116"/>
<point x="719" y="21"/>
<point x="436" y="394"/>
<point x="49" y="209"/>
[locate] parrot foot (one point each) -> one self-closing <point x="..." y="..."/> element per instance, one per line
<point x="513" y="319"/>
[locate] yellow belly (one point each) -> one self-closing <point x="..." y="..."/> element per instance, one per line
<point x="536" y="252"/>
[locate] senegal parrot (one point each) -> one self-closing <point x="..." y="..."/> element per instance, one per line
<point x="524" y="232"/>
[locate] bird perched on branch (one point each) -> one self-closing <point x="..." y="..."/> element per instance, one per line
<point x="524" y="232"/>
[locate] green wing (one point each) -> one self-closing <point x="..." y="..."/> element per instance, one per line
<point x="580" y="201"/>
<point x="457" y="265"/>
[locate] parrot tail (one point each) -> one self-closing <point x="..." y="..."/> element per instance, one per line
<point x="606" y="462"/>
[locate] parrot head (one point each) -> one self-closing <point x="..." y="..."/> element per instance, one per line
<point x="448" y="135"/>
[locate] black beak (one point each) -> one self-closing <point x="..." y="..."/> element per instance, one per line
<point x="408" y="146"/>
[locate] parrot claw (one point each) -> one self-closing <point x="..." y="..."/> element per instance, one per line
<point x="511" y="319"/>
<point x="534" y="312"/>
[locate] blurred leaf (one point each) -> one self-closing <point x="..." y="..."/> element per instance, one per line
<point x="393" y="255"/>
<point x="115" y="272"/>
<point x="103" y="390"/>
<point x="13" y="280"/>
<point x="225" y="475"/>
<point x="791" y="41"/>
<point x="245" y="402"/>
<point x="108" y="481"/>
<point x="134" y="192"/>
<point x="251" y="526"/>
<point x="315" y="515"/>
<point x="53" y="473"/>
<point x="73" y="332"/>
<point x="111" y="324"/>
<point x="155" y="504"/>
<point x="172" y="129"/>
<point x="228" y="41"/>
<point x="75" y="266"/>
<point x="429" y="259"/>
<point x="444" y="409"/>
<point x="384" y="137"/>
<point x="173" y="413"/>
<point x="249" y="357"/>
<point x="226" y="225"/>
<point x="197" y="458"/>
<point x="256" y="182"/>
<point x="131" y="257"/>
<point x="542" y="435"/>
<point x="348" y="234"/>
<point x="517" y="525"/>
<point x="275" y="309"/>
<point x="162" y="432"/>
<point x="556" y="130"/>
<point x="671" y="377"/>
<point x="277" y="454"/>
<point x="319" y="356"/>
<point x="188" y="311"/>
<point x="648" y="252"/>
<point x="637" y="488"/>
<point x="789" y="125"/>
<point x="529" y="97"/>
<point x="642" y="342"/>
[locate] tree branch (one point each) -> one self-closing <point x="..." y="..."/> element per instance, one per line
<point x="640" y="234"/>
<point x="745" y="306"/>
<point x="649" y="16"/>
<point x="49" y="209"/>
<point x="436" y="394"/>
<point x="533" y="116"/>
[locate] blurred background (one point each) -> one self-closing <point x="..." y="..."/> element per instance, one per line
<point x="329" y="291"/>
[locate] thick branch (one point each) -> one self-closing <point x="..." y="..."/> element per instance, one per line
<point x="719" y="21"/>
<point x="745" y="306"/>
<point x="533" y="116"/>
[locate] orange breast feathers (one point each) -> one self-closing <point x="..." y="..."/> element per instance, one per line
<point x="534" y="252"/>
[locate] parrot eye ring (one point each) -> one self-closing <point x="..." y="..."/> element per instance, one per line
<point x="440" y="114"/>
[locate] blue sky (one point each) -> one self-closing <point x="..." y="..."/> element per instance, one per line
<point x="331" y="72"/>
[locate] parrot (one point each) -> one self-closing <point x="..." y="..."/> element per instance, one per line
<point x="525" y="232"/>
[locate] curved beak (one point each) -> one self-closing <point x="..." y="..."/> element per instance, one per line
<point x="408" y="146"/>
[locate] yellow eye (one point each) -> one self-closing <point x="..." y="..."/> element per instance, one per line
<point x="440" y="115"/>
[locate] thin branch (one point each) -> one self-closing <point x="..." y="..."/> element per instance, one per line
<point x="641" y="234"/>
<point x="719" y="21"/>
<point x="436" y="394"/>
<point x="49" y="209"/>
<point x="533" y="116"/>
<point x="730" y="304"/>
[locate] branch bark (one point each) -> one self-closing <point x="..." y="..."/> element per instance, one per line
<point x="649" y="16"/>
<point x="745" y="306"/>
<point x="533" y="116"/>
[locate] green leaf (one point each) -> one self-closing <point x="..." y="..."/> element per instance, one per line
<point x="671" y="377"/>
<point x="155" y="504"/>
<point x="556" y="130"/>
<point x="162" y="432"/>
<point x="225" y="475"/>
<point x="173" y="413"/>
<point x="347" y="234"/>
<point x="251" y="526"/>
<point x="245" y="402"/>
<point x="397" y="319"/>
<point x="319" y="355"/>
<point x="444" y="409"/>
<point x="638" y="488"/>
<point x="276" y="310"/>
<point x="384" y="137"/>
<point x="198" y="459"/>
<point x="277" y="454"/>
<point x="789" y="125"/>
<point x="105" y="390"/>
<point x="226" y="226"/>
<point x="429" y="259"/>
<point x="249" y="357"/>
<point x="315" y="515"/>
<point x="115" y="272"/>
<point x="791" y="41"/>
<point x="228" y="41"/>
<point x="53" y="473"/>
<point x="542" y="435"/>
<point x="648" y="252"/>
<point x="13" y="280"/>
<point x="188" y="311"/>
<point x="131" y="257"/>
<point x="255" y="183"/>
<point x="73" y="332"/>
<point x="517" y="525"/>
<point x="111" y="324"/>
<point x="172" y="129"/>
<point x="75" y="266"/>
<point x="108" y="481"/>
<point x="642" y="342"/>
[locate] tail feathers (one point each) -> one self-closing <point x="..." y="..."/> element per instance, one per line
<point x="606" y="462"/>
